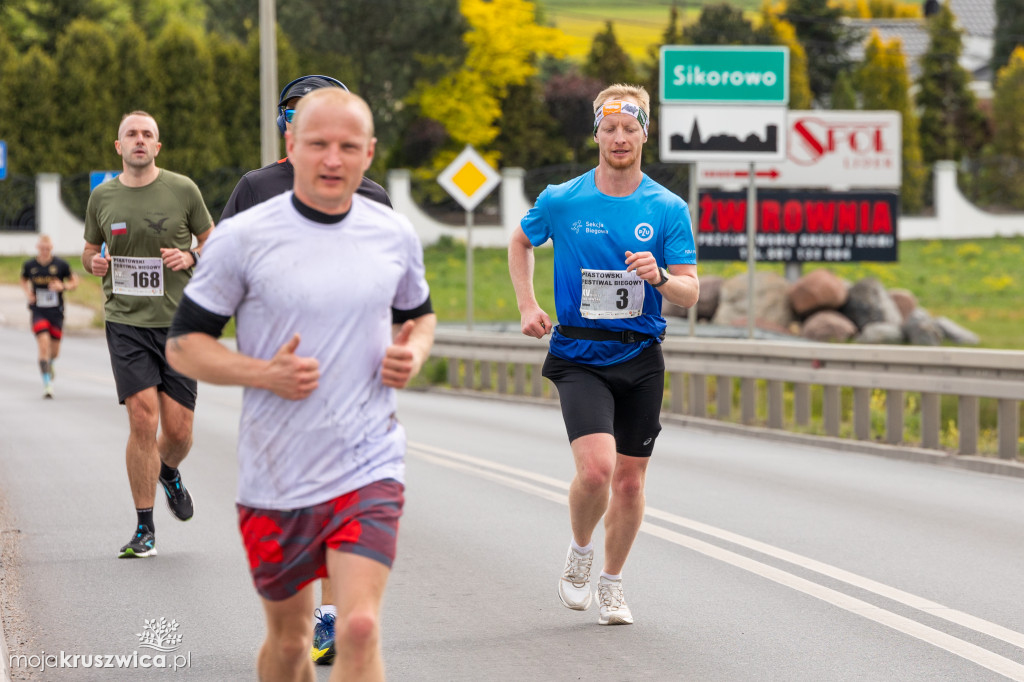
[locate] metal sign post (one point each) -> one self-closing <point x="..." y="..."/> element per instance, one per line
<point x="468" y="179"/>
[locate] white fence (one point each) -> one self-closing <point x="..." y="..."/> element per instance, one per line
<point x="956" y="218"/>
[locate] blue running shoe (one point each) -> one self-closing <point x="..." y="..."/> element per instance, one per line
<point x="323" y="638"/>
<point x="142" y="544"/>
<point x="179" y="500"/>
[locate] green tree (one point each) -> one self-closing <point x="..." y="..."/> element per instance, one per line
<point x="775" y="30"/>
<point x="720" y="24"/>
<point x="529" y="134"/>
<point x="1002" y="177"/>
<point x="570" y="99"/>
<point x="183" y="96"/>
<point x="826" y="39"/>
<point x="1007" y="105"/>
<point x="133" y="63"/>
<point x="380" y="49"/>
<point x="844" y="96"/>
<point x="1008" y="34"/>
<point x="607" y="61"/>
<point x="672" y="35"/>
<point x="503" y="46"/>
<point x="85" y="59"/>
<point x="952" y="126"/>
<point x="29" y="113"/>
<point x="884" y="85"/>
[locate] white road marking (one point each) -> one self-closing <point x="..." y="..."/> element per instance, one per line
<point x="504" y="474"/>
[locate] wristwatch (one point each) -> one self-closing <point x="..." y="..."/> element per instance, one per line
<point x="664" y="277"/>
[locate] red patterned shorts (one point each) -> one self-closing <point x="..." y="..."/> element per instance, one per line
<point x="288" y="548"/>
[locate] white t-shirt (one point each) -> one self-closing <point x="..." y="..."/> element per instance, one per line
<point x="280" y="273"/>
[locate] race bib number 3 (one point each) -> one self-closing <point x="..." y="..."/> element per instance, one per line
<point x="138" y="276"/>
<point x="611" y="294"/>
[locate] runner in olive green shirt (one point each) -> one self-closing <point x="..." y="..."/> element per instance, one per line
<point x="138" y="238"/>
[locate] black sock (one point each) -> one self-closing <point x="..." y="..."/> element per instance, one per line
<point x="146" y="518"/>
<point x="167" y="473"/>
<point x="44" y="367"/>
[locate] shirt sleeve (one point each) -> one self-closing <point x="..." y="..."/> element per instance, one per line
<point x="536" y="223"/>
<point x="413" y="290"/>
<point x="199" y="216"/>
<point x="219" y="286"/>
<point x="679" y="246"/>
<point x="241" y="198"/>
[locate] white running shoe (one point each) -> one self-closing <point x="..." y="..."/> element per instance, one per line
<point x="574" y="585"/>
<point x="613" y="603"/>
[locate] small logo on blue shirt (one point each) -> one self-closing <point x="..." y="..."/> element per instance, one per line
<point x="644" y="232"/>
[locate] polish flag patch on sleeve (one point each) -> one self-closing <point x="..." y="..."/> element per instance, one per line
<point x="119" y="228"/>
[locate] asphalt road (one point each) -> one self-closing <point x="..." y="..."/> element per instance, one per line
<point x="757" y="561"/>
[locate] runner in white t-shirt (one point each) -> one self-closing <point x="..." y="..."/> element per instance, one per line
<point x="315" y="278"/>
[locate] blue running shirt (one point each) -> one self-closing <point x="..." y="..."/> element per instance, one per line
<point x="593" y="231"/>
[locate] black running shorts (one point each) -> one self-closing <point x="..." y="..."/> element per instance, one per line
<point x="48" y="321"/>
<point x="623" y="400"/>
<point x="138" y="360"/>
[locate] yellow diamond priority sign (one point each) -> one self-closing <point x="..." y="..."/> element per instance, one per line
<point x="469" y="178"/>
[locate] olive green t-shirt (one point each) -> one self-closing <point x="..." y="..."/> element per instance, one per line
<point x="135" y="223"/>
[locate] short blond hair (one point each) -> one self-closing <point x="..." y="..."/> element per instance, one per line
<point x="620" y="90"/>
<point x="337" y="97"/>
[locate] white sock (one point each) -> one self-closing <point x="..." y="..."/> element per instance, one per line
<point x="582" y="550"/>
<point x="609" y="576"/>
<point x="329" y="609"/>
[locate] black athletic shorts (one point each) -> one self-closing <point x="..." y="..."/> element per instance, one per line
<point x="48" y="321"/>
<point x="139" y="362"/>
<point x="623" y="400"/>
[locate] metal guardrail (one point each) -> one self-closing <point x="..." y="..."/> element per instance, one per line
<point x="771" y="375"/>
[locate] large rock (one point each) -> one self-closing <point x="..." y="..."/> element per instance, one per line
<point x="880" y="332"/>
<point x="957" y="334"/>
<point x="828" y="325"/>
<point x="921" y="329"/>
<point x="771" y="305"/>
<point x="710" y="295"/>
<point x="817" y="290"/>
<point x="868" y="302"/>
<point x="904" y="300"/>
<point x="710" y="289"/>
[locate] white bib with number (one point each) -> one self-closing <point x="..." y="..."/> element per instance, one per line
<point x="611" y="294"/>
<point x="46" y="298"/>
<point x="138" y="276"/>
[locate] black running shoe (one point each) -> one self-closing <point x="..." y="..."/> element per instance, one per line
<point x="179" y="500"/>
<point x="143" y="544"/>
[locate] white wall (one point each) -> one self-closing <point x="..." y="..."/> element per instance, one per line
<point x="956" y="218"/>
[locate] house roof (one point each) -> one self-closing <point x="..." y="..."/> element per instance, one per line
<point x="977" y="19"/>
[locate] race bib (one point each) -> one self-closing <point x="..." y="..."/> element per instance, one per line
<point x="138" y="276"/>
<point x="46" y="298"/>
<point x="611" y="294"/>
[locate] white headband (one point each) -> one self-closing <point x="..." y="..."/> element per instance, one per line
<point x="616" y="106"/>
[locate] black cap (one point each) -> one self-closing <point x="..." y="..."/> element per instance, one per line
<point x="307" y="84"/>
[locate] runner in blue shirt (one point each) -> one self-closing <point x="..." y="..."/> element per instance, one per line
<point x="622" y="242"/>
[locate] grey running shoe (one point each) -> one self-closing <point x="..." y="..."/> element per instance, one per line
<point x="613" y="603"/>
<point x="142" y="544"/>
<point x="574" y="585"/>
<point x="179" y="500"/>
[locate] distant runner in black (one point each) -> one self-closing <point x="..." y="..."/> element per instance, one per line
<point x="43" y="279"/>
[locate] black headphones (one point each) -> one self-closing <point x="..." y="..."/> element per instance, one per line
<point x="281" y="121"/>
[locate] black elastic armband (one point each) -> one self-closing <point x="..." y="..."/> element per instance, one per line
<point x="400" y="316"/>
<point x="192" y="317"/>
